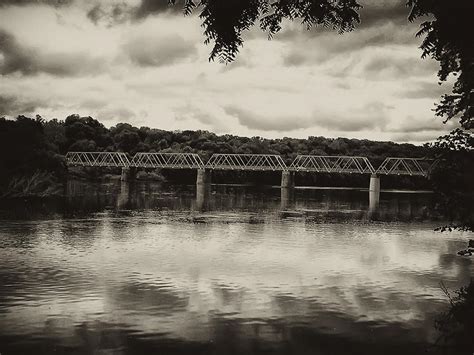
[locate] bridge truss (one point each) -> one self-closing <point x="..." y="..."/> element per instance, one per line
<point x="406" y="166"/>
<point x="270" y="162"/>
<point x="332" y="164"/>
<point x="167" y="160"/>
<point x="97" y="159"/>
<point x="261" y="162"/>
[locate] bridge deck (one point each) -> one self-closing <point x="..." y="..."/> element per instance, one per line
<point x="332" y="164"/>
<point x="167" y="160"/>
<point x="246" y="162"/>
<point x="255" y="162"/>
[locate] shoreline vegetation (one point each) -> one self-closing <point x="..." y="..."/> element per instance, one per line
<point x="32" y="162"/>
<point x="32" y="152"/>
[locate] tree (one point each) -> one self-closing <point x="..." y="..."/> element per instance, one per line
<point x="447" y="34"/>
<point x="86" y="128"/>
<point x="127" y="140"/>
<point x="55" y="134"/>
<point x="453" y="178"/>
<point x="224" y="21"/>
<point x="448" y="39"/>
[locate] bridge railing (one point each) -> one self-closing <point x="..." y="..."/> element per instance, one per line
<point x="262" y="162"/>
<point x="332" y="164"/>
<point x="116" y="159"/>
<point x="406" y="166"/>
<point x="167" y="160"/>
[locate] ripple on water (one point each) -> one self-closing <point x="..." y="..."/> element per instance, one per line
<point x="162" y="276"/>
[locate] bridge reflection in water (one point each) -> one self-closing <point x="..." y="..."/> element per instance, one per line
<point x="255" y="162"/>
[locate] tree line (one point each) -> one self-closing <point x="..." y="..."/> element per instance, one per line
<point x="31" y="144"/>
<point x="32" y="157"/>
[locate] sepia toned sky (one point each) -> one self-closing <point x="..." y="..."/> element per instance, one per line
<point x="142" y="62"/>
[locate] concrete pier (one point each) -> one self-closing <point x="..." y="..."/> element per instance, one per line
<point x="203" y="188"/>
<point x="288" y="179"/>
<point x="128" y="173"/>
<point x="374" y="193"/>
<point x="287" y="189"/>
<point x="123" y="199"/>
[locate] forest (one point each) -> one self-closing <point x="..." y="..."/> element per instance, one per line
<point x="32" y="152"/>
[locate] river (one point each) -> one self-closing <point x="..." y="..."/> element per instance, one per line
<point x="110" y="270"/>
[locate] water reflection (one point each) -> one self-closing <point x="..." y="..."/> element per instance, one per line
<point x="155" y="274"/>
<point x="310" y="202"/>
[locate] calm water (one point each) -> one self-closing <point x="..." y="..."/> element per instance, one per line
<point x="144" y="271"/>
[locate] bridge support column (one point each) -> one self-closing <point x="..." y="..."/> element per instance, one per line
<point x="288" y="179"/>
<point x="123" y="199"/>
<point x="374" y="193"/>
<point x="128" y="173"/>
<point x="203" y="188"/>
<point x="287" y="188"/>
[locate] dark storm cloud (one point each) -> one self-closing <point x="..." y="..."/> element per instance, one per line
<point x="375" y="12"/>
<point x="114" y="14"/>
<point x="150" y="7"/>
<point x="12" y="105"/>
<point x="30" y="61"/>
<point x="120" y="12"/>
<point x="27" y="2"/>
<point x="15" y="58"/>
<point x="332" y="44"/>
<point x="150" y="51"/>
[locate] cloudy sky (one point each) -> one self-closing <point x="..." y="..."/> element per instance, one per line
<point x="141" y="62"/>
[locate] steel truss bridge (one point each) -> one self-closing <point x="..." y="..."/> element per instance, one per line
<point x="254" y="162"/>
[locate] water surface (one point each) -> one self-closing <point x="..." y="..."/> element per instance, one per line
<point x="144" y="271"/>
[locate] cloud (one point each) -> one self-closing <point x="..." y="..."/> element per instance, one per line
<point x="417" y="137"/>
<point x="119" y="114"/>
<point x="413" y="124"/>
<point x="306" y="49"/>
<point x="13" y="106"/>
<point x="375" y="12"/>
<point x="101" y="58"/>
<point x="425" y="90"/>
<point x="115" y="13"/>
<point x="386" y="65"/>
<point x="208" y="114"/>
<point x="93" y="103"/>
<point x="254" y="120"/>
<point x="351" y="124"/>
<point x="150" y="7"/>
<point x="28" y="2"/>
<point x="149" y="50"/>
<point x="373" y="115"/>
<point x="109" y="13"/>
<point x="28" y="61"/>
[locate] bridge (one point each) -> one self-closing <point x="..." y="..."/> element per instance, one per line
<point x="257" y="162"/>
